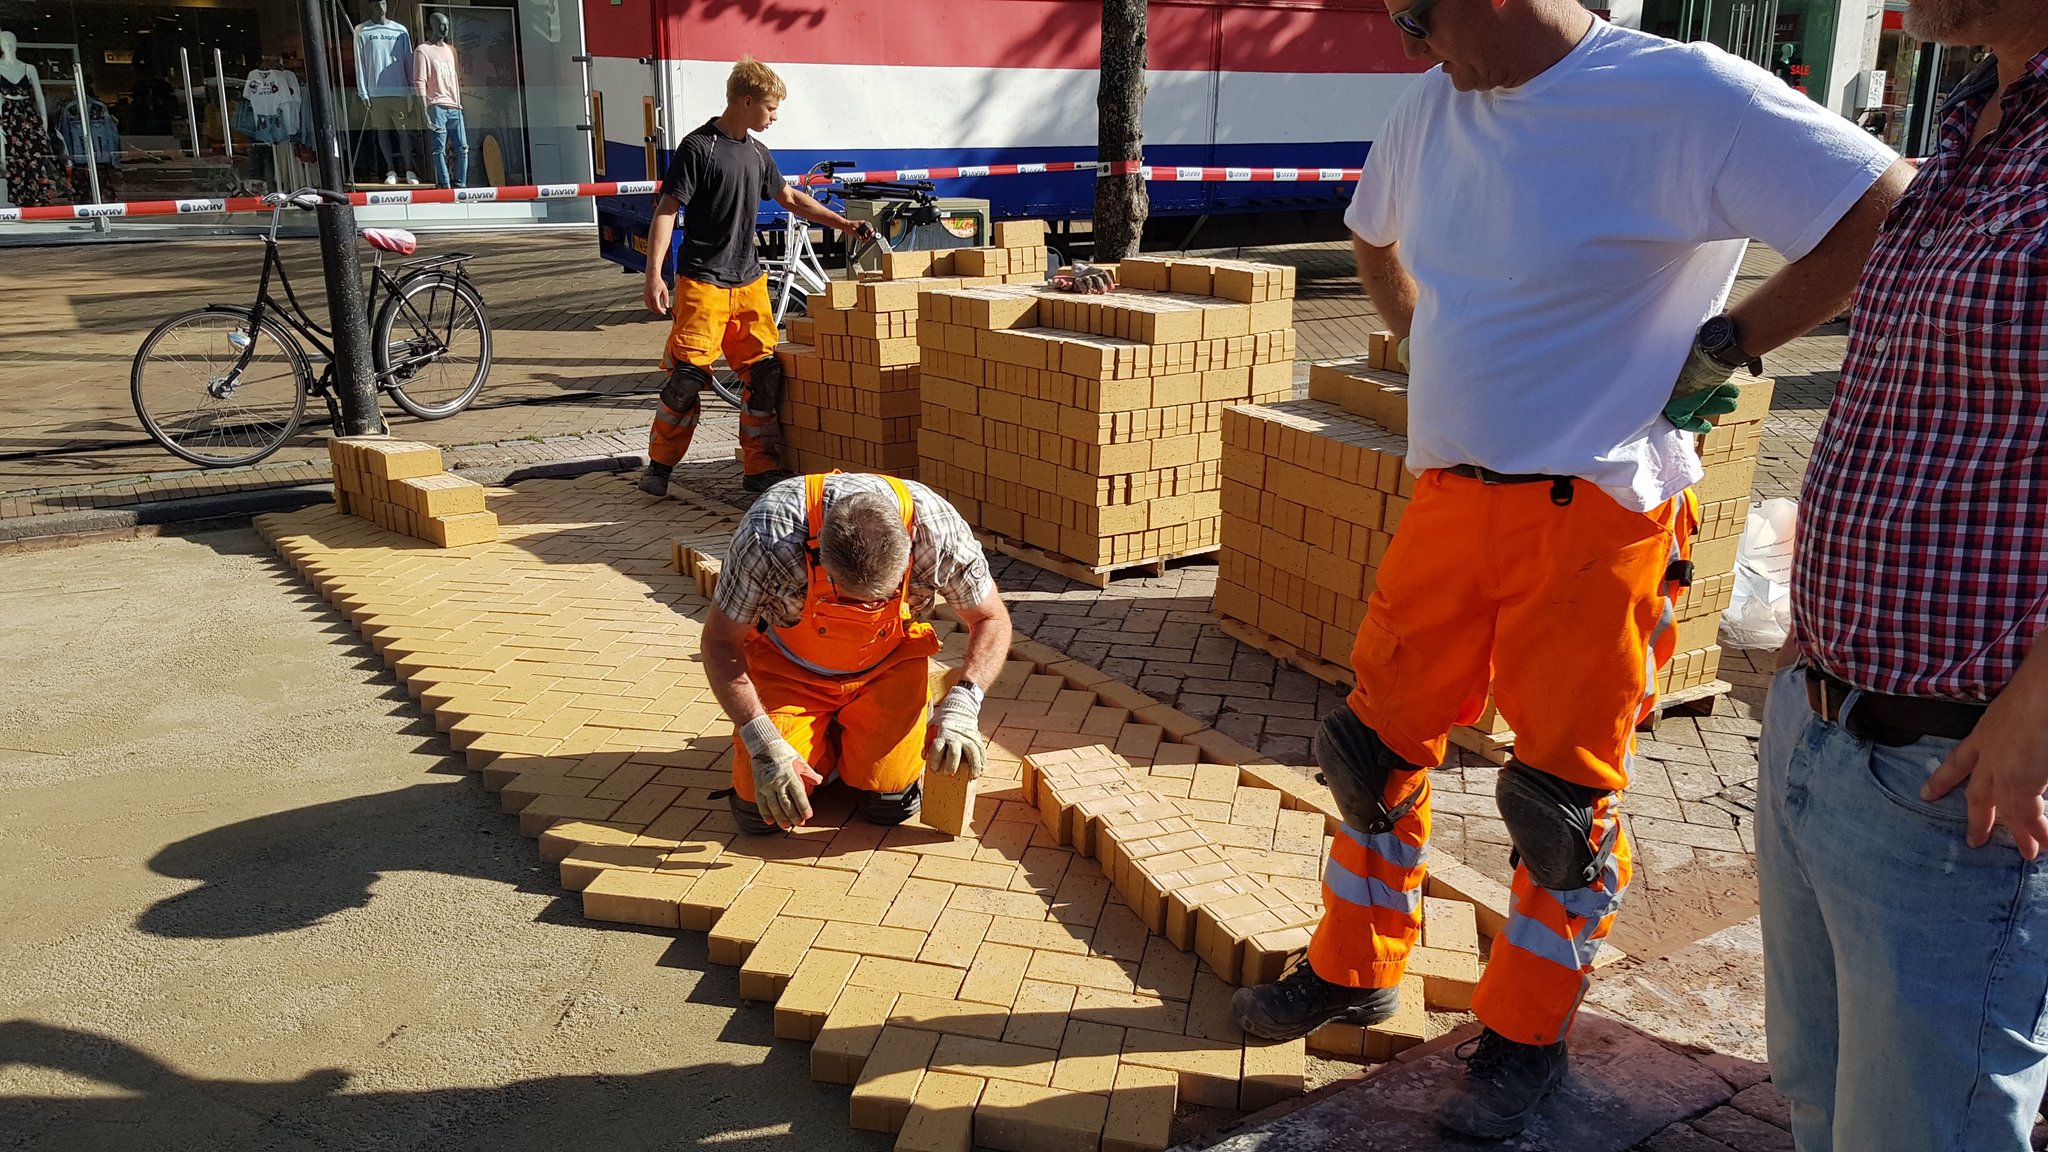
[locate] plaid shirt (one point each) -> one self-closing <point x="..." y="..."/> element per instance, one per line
<point x="766" y="573"/>
<point x="1923" y="544"/>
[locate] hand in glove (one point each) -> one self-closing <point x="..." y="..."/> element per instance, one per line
<point x="958" y="744"/>
<point x="1703" y="394"/>
<point x="1401" y="353"/>
<point x="779" y="774"/>
<point x="1083" y="278"/>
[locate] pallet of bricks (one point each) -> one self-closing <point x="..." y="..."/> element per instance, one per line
<point x="401" y="486"/>
<point x="1084" y="433"/>
<point x="852" y="363"/>
<point x="1312" y="493"/>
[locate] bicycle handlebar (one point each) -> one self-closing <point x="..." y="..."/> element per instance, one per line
<point x="305" y="199"/>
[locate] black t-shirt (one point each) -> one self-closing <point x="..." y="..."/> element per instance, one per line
<point x="720" y="183"/>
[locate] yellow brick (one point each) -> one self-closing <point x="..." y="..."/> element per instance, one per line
<point x="849" y="1032"/>
<point x="889" y="1079"/>
<point x="1272" y="1073"/>
<point x="1088" y="1057"/>
<point x="1039" y="1017"/>
<point x="1409" y="1027"/>
<point x="461" y="530"/>
<point x="996" y="974"/>
<point x="871" y="940"/>
<point x="1141" y="1110"/>
<point x="635" y="898"/>
<point x="744" y="922"/>
<point x="951" y="1016"/>
<point x="1083" y="971"/>
<point x="806" y="1003"/>
<point x="1448" y="978"/>
<point x="396" y="459"/>
<point x="439" y="495"/>
<point x="974" y="873"/>
<point x="1015" y="1117"/>
<point x="907" y="977"/>
<point x="717" y="887"/>
<point x="1208" y="1070"/>
<point x="948" y="802"/>
<point x="993" y="1059"/>
<point x="775" y="957"/>
<point x="941" y="1115"/>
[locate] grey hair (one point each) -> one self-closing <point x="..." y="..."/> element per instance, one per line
<point x="863" y="545"/>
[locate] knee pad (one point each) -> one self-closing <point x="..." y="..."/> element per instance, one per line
<point x="1356" y="766"/>
<point x="887" y="808"/>
<point x="765" y="386"/>
<point x="684" y="392"/>
<point x="1550" y="823"/>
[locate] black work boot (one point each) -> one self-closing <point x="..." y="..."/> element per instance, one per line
<point x="1301" y="1002"/>
<point x="763" y="481"/>
<point x="1504" y="1082"/>
<point x="654" y="481"/>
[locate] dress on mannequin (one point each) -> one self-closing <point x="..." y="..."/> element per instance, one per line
<point x="28" y="172"/>
<point x="384" y="82"/>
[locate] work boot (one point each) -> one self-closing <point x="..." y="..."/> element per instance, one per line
<point x="654" y="481"/>
<point x="763" y="481"/>
<point x="1504" y="1082"/>
<point x="1301" y="1002"/>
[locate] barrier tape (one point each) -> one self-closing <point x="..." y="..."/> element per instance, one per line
<point x="525" y="192"/>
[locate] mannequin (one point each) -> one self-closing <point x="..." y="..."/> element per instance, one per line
<point x="433" y="73"/>
<point x="28" y="168"/>
<point x="272" y="93"/>
<point x="89" y="134"/>
<point x="384" y="84"/>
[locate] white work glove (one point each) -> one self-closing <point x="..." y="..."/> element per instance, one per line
<point x="1083" y="278"/>
<point x="958" y="744"/>
<point x="779" y="774"/>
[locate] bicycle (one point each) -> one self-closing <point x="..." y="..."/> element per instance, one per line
<point x="226" y="384"/>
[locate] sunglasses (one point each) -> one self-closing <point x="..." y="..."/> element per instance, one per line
<point x="1409" y="20"/>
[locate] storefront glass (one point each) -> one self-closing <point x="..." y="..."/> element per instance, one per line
<point x="112" y="100"/>
<point x="1794" y="39"/>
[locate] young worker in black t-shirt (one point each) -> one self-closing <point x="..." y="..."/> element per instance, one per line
<point x="718" y="178"/>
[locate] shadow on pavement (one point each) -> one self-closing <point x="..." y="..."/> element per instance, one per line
<point x="156" y="1106"/>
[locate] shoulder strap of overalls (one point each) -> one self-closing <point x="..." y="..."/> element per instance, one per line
<point x="814" y="512"/>
<point x="908" y="506"/>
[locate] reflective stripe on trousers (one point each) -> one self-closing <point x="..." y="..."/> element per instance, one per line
<point x="1541" y="963"/>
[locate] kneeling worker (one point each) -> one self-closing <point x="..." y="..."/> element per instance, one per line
<point x="819" y="649"/>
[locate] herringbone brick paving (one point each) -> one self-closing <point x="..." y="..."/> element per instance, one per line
<point x="1003" y="965"/>
<point x="575" y="378"/>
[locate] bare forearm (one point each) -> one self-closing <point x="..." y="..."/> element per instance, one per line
<point x="1387" y="284"/>
<point x="1815" y="287"/>
<point x="725" y="664"/>
<point x="805" y="207"/>
<point x="988" y="641"/>
<point x="659" y="235"/>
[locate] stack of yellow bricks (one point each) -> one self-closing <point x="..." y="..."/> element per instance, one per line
<point x="401" y="486"/>
<point x="1090" y="427"/>
<point x="1313" y="491"/>
<point x="852" y="364"/>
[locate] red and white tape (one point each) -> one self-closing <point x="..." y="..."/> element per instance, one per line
<point x="522" y="192"/>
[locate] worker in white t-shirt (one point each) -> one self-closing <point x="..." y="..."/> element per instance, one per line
<point x="1551" y="221"/>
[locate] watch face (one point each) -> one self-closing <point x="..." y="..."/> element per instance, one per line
<point x="1717" y="333"/>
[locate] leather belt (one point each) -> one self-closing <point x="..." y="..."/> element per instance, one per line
<point x="1489" y="476"/>
<point x="1893" y="721"/>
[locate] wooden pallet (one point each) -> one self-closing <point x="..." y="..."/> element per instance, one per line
<point x="1093" y="575"/>
<point x="1280" y="649"/>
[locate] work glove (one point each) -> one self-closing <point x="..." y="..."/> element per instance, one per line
<point x="779" y="774"/>
<point x="1401" y="353"/>
<point x="958" y="744"/>
<point x="1705" y="392"/>
<point x="1083" y="278"/>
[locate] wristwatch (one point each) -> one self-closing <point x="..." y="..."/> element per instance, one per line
<point x="1719" y="339"/>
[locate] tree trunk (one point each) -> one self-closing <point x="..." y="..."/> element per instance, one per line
<point x="1120" y="202"/>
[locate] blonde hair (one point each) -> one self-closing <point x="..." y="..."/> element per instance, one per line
<point x="750" y="77"/>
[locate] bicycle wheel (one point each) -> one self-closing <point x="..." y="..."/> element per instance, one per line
<point x="217" y="389"/>
<point x="726" y="383"/>
<point x="432" y="345"/>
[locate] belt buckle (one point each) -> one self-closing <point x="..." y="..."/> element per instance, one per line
<point x="1817" y="696"/>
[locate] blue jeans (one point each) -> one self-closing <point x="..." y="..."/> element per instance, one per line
<point x="446" y="123"/>
<point x="1905" y="973"/>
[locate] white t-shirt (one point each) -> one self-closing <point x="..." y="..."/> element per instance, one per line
<point x="1569" y="236"/>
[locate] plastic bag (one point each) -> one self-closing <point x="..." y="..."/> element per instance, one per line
<point x="1759" y="615"/>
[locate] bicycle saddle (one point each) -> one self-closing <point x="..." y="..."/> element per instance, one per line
<point x="394" y="240"/>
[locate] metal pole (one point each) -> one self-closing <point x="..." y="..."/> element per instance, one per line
<point x="355" y="382"/>
<point x="227" y="130"/>
<point x="92" y="158"/>
<point x="191" y="109"/>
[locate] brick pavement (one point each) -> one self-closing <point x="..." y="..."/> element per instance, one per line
<point x="575" y="379"/>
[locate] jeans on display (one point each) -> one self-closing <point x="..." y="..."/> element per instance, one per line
<point x="448" y="128"/>
<point x="1904" y="983"/>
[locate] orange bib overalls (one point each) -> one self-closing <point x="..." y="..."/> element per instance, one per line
<point x="849" y="684"/>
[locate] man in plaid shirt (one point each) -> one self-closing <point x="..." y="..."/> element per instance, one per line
<point x="1905" y="741"/>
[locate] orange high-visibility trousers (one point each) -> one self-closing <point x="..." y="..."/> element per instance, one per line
<point x="871" y="727"/>
<point x="1564" y="612"/>
<point x="709" y="321"/>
